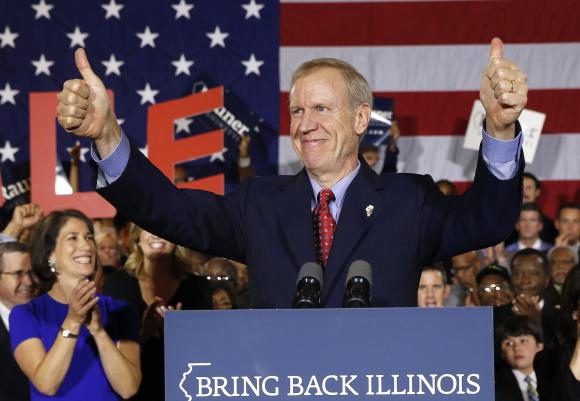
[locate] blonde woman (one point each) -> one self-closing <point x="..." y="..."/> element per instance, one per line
<point x="156" y="278"/>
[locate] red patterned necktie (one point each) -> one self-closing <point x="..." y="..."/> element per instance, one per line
<point x="324" y="226"/>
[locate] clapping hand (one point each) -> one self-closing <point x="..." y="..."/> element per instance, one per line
<point x="527" y="306"/>
<point x="81" y="303"/>
<point x="152" y="325"/>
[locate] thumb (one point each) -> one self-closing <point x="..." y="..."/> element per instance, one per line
<point x="496" y="48"/>
<point x="85" y="68"/>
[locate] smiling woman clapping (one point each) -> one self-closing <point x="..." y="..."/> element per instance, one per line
<point x="71" y="342"/>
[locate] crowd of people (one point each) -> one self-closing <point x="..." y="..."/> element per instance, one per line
<point x="533" y="285"/>
<point x="83" y="301"/>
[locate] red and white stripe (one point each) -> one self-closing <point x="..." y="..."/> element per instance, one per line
<point x="428" y="56"/>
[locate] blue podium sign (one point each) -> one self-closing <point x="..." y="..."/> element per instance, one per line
<point x="330" y="354"/>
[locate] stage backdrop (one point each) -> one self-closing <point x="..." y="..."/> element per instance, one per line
<point x="425" y="55"/>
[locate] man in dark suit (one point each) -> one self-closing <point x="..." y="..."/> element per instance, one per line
<point x="16" y="287"/>
<point x="562" y="258"/>
<point x="530" y="277"/>
<point x="397" y="222"/>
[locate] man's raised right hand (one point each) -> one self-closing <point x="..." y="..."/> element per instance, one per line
<point x="84" y="108"/>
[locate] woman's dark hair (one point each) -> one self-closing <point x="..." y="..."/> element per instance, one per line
<point x="43" y="243"/>
<point x="570" y="303"/>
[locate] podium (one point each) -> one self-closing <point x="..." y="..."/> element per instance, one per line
<point x="330" y="354"/>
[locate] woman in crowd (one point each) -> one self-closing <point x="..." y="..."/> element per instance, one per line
<point x="108" y="250"/>
<point x="71" y="342"/>
<point x="156" y="279"/>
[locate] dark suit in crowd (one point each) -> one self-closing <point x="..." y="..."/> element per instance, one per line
<point x="14" y="385"/>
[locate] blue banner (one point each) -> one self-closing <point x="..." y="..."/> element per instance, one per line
<point x="360" y="354"/>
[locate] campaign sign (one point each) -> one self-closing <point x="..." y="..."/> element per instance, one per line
<point x="532" y="123"/>
<point x="236" y="119"/>
<point x="330" y="354"/>
<point x="380" y="123"/>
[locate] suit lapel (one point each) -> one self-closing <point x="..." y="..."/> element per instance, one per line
<point x="359" y="211"/>
<point x="295" y="218"/>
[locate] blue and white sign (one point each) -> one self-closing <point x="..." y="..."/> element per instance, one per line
<point x="330" y="354"/>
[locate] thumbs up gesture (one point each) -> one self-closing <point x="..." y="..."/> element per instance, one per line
<point x="84" y="108"/>
<point x="503" y="92"/>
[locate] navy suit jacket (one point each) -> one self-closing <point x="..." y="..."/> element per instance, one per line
<point x="267" y="224"/>
<point x="14" y="385"/>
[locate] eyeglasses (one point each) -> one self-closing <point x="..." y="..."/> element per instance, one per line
<point x="219" y="278"/>
<point x="19" y="274"/>
<point x="490" y="289"/>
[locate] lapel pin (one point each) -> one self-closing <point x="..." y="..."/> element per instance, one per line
<point x="369" y="209"/>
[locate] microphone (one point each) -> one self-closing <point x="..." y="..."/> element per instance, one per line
<point x="358" y="285"/>
<point x="308" y="285"/>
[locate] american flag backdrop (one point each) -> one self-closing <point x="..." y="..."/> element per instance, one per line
<point x="426" y="55"/>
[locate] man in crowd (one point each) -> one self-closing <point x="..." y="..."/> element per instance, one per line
<point x="433" y="288"/>
<point x="337" y="209"/>
<point x="529" y="226"/>
<point x="568" y="225"/>
<point x="371" y="153"/>
<point x="220" y="269"/>
<point x="531" y="189"/>
<point x="464" y="268"/>
<point x="561" y="259"/>
<point x="16" y="287"/>
<point x="530" y="277"/>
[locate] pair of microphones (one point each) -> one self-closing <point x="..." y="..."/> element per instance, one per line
<point x="310" y="281"/>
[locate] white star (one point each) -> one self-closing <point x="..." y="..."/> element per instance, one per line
<point x="252" y="65"/>
<point x="42" y="65"/>
<point x="82" y="153"/>
<point x="182" y="9"/>
<point x="145" y="150"/>
<point x="120" y="121"/>
<point x="113" y="65"/>
<point x="112" y="9"/>
<point x="7" y="94"/>
<point x="218" y="156"/>
<point x="8" y="152"/>
<point x="77" y="37"/>
<point x="7" y="38"/>
<point x="183" y="125"/>
<point x="217" y="37"/>
<point x="147" y="37"/>
<point x="182" y="65"/>
<point x="42" y="9"/>
<point x="147" y="94"/>
<point x="252" y="9"/>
